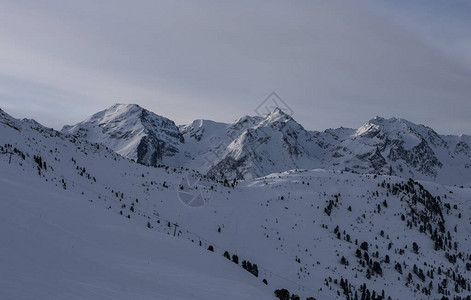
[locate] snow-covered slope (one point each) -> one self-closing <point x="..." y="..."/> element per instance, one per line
<point x="257" y="146"/>
<point x="63" y="237"/>
<point x="56" y="245"/>
<point x="317" y="233"/>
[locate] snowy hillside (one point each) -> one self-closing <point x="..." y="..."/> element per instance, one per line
<point x="257" y="146"/>
<point x="58" y="245"/>
<point x="65" y="239"/>
<point x="317" y="233"/>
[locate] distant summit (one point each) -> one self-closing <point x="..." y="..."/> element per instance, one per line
<point x="131" y="131"/>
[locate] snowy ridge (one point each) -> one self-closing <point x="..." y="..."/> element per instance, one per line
<point x="257" y="146"/>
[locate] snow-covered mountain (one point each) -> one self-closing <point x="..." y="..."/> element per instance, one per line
<point x="81" y="221"/>
<point x="131" y="131"/>
<point x="257" y="146"/>
<point x="273" y="144"/>
<point x="399" y="147"/>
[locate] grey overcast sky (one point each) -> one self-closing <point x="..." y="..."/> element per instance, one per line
<point x="336" y="63"/>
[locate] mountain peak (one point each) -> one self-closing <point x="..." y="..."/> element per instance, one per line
<point x="391" y="125"/>
<point x="248" y="119"/>
<point x="394" y="121"/>
<point x="124" y="106"/>
<point x="31" y="121"/>
<point x="277" y="115"/>
<point x="279" y="112"/>
<point x="131" y="131"/>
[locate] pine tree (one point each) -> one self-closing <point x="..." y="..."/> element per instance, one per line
<point x="415" y="248"/>
<point x="377" y="268"/>
<point x="282" y="294"/>
<point x="235" y="259"/>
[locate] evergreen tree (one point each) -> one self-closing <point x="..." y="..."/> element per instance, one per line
<point x="235" y="259"/>
<point x="282" y="294"/>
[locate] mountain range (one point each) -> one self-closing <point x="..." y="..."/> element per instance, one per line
<point x="81" y="221"/>
<point x="255" y="146"/>
<point x="84" y="221"/>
